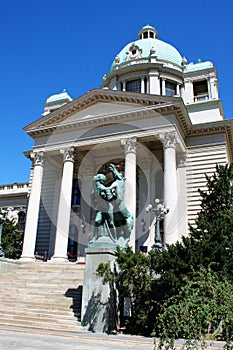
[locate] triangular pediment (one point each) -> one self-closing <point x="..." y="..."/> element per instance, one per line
<point x="96" y="103"/>
<point x="102" y="106"/>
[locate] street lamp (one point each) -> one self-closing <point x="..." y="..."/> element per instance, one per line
<point x="2" y="219"/>
<point x="159" y="210"/>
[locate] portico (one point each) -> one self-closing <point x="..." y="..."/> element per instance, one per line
<point x="133" y="135"/>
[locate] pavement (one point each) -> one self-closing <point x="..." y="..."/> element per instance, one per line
<point x="20" y="338"/>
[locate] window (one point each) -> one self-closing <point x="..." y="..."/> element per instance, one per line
<point x="75" y="193"/>
<point x="21" y="220"/>
<point x="133" y="86"/>
<point x="200" y="90"/>
<point x="170" y="88"/>
<point x="145" y="81"/>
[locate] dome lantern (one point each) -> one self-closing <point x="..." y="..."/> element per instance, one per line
<point x="148" y="32"/>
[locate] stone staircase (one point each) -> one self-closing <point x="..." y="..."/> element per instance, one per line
<point x="43" y="295"/>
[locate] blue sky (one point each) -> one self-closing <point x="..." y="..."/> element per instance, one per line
<point x="47" y="46"/>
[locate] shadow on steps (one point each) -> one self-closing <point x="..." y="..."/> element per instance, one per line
<point x="76" y="295"/>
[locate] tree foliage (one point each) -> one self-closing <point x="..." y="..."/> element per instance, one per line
<point x="11" y="239"/>
<point x="210" y="242"/>
<point x="202" y="309"/>
<point x="133" y="280"/>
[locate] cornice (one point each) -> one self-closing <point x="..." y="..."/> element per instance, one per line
<point x="196" y="73"/>
<point x="5" y="196"/>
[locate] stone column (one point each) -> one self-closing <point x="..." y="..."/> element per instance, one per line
<point x="163" y="87"/>
<point x="33" y="208"/>
<point x="124" y="86"/>
<point x="189" y="96"/>
<point x="178" y="89"/>
<point x="170" y="141"/>
<point x="142" y="85"/>
<point x="64" y="207"/>
<point x="130" y="145"/>
<point x="209" y="89"/>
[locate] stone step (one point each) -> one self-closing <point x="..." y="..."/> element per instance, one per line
<point x="68" y="312"/>
<point x="48" y="266"/>
<point x="50" y="300"/>
<point x="42" y="295"/>
<point x="65" y="304"/>
<point x="39" y="311"/>
<point x="41" y="318"/>
<point x="56" y="287"/>
<point x="41" y="324"/>
<point x="50" y="274"/>
<point x="39" y="274"/>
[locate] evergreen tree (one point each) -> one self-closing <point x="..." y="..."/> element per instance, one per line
<point x="210" y="242"/>
<point x="11" y="239"/>
<point x="133" y="280"/>
<point x="202" y="309"/>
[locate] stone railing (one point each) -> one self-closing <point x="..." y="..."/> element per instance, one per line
<point x="14" y="188"/>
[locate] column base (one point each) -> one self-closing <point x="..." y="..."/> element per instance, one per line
<point x="27" y="258"/>
<point x="59" y="259"/>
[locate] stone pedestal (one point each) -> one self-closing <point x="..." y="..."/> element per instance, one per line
<point x="99" y="301"/>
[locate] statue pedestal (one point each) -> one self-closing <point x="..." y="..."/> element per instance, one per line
<point x="99" y="301"/>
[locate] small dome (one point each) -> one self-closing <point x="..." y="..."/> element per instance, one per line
<point x="145" y="47"/>
<point x="56" y="101"/>
<point x="59" y="97"/>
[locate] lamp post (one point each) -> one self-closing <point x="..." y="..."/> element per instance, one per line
<point x="159" y="210"/>
<point x="2" y="219"/>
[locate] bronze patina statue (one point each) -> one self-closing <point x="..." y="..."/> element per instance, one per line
<point x="113" y="221"/>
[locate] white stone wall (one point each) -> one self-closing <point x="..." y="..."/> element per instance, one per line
<point x="201" y="160"/>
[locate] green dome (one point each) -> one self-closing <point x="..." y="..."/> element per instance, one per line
<point x="146" y="47"/>
<point x="59" y="97"/>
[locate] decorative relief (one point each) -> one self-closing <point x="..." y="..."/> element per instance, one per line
<point x="169" y="139"/>
<point x="68" y="154"/>
<point x="130" y="145"/>
<point x="181" y="159"/>
<point x="38" y="158"/>
<point x="134" y="52"/>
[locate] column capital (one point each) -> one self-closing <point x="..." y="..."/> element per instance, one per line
<point x="38" y="158"/>
<point x="169" y="139"/>
<point x="68" y="154"/>
<point x="130" y="145"/>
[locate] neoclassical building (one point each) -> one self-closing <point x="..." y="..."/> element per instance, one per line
<point x="157" y="117"/>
